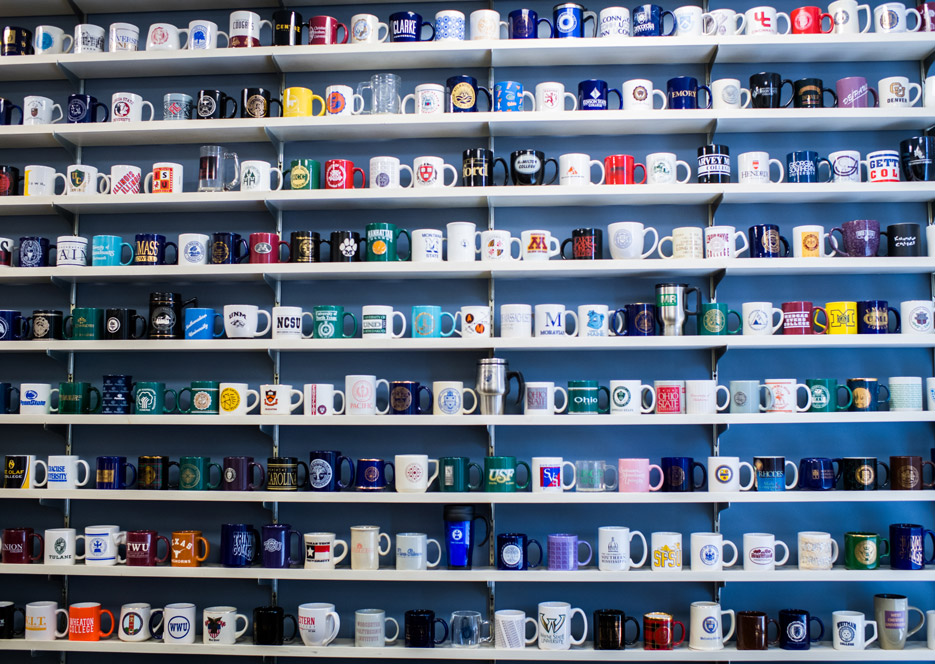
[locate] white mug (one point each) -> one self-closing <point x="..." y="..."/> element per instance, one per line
<point x="639" y="95"/>
<point x="241" y="320"/>
<point x="758" y="318"/>
<point x="287" y="321"/>
<point x="83" y="180"/>
<point x="40" y="181"/>
<point x="319" y="623"/>
<point x="462" y="241"/>
<point x="377" y="321"/>
<point x="428" y="99"/>
<point x="594" y="319"/>
<point x="727" y="93"/>
<point x="385" y="172"/>
<point x="724" y="22"/>
<point x="449" y="398"/>
<point x="220" y="625"/>
<point x="123" y="37"/>
<point x="555" y="626"/>
<point x="613" y="548"/>
<point x="135" y="619"/>
<point x="707" y="552"/>
<point x="35" y="399"/>
<point x="365" y="547"/>
<point x="320" y="550"/>
<point x="360" y="392"/>
<point x="550" y="320"/>
<point x="193" y="249"/>
<point x="849" y="628"/>
<point x="42" y="621"/>
<point x="687" y="242"/>
<point x="845" y="165"/>
<point x="809" y="241"/>
<point x="449" y="25"/>
<point x="628" y="238"/>
<point x="164" y="37"/>
<point x="896" y="92"/>
<point x="551" y="96"/>
<point x="245" y="29"/>
<point x="706" y="631"/>
<point x="930" y="103"/>
<point x="365" y="29"/>
<point x="538" y="245"/>
<point x="817" y="550"/>
<point x="60" y="546"/>
<point x="486" y="24"/>
<point x="180" y="623"/>
<point x="429" y="173"/>
<point x="549" y="476"/>
<point x="765" y="21"/>
<point x="516" y="321"/>
<point x="203" y="35"/>
<point x="894" y="17"/>
<point x="753" y="168"/>
<point x="627" y="398"/>
<point x="759" y="552"/>
<point x="256" y="175"/>
<point x="721" y="242"/>
<point x="370" y="628"/>
<point x="89" y="38"/>
<point x="662" y="168"/>
<point x="724" y="474"/>
<point x="916" y="316"/>
<point x="412" y="551"/>
<point x="125" y="179"/>
<point x="342" y="100"/>
<point x="100" y="545"/>
<point x="498" y="246"/>
<point x="701" y="397"/>
<point x="540" y="399"/>
<point x="614" y="23"/>
<point x="905" y="393"/>
<point x="50" y="39"/>
<point x="165" y="178"/>
<point x="475" y="322"/>
<point x="38" y="110"/>
<point x="846" y="14"/>
<point x="277" y="399"/>
<point x="71" y="250"/>
<point x="666" y="552"/>
<point x="412" y="473"/>
<point x="510" y="629"/>
<point x="575" y="171"/>
<point x="63" y="472"/>
<point x="688" y="21"/>
<point x="784" y="395"/>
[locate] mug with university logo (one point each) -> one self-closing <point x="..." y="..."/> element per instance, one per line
<point x="461" y="94"/>
<point x="122" y="324"/>
<point x="324" y="471"/>
<point x="282" y="474"/>
<point x="184" y="549"/>
<point x="907" y="546"/>
<point x="825" y="395"/>
<point x="371" y="474"/>
<point x="500" y="474"/>
<point x="866" y="392"/>
<point x="861" y="473"/>
<point x="86" y="323"/>
<point x="906" y="473"/>
<point x="873" y="317"/>
<point x="154" y="473"/>
<point x="195" y="473"/>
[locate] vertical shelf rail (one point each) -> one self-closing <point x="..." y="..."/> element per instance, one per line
<point x="491" y="302"/>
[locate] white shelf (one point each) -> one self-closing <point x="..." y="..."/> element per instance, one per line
<point x="766" y="120"/>
<point x="344" y="648"/>
<point x="475" y="497"/>
<point x="869" y="47"/>
<point x="473" y="420"/>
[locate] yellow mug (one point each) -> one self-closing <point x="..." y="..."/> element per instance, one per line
<point x="842" y="317"/>
<point x="299" y="103"/>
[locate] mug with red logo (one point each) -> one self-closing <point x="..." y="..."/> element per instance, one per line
<point x="658" y="631"/>
<point x="799" y="317"/>
<point x="9" y="180"/>
<point x="265" y="248"/>
<point x="166" y="178"/>
<point x="808" y="21"/>
<point x="670" y="397"/>
<point x="339" y="174"/>
<point x="324" y="30"/>
<point x="142" y="548"/>
<point x="84" y="622"/>
<point x="16" y="546"/>
<point x="621" y="169"/>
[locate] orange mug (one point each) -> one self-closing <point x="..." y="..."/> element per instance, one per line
<point x="184" y="545"/>
<point x="84" y="622"/>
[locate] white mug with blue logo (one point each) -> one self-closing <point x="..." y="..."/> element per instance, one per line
<point x="706" y="632"/>
<point x="35" y="398"/>
<point x="179" y="621"/>
<point x="100" y="545"/>
<point x="707" y="552"/>
<point x="724" y="474"/>
<point x="203" y="35"/>
<point x="449" y="25"/>
<point x="449" y="398"/>
<point x="849" y="630"/>
<point x="193" y="249"/>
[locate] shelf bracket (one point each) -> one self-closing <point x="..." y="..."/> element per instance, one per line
<point x="69" y="74"/>
<point x="270" y="505"/>
<point x="58" y="355"/>
<point x="64" y="284"/>
<point x="67" y="145"/>
<point x="271" y="281"/>
<point x="265" y="582"/>
<point x="273" y="355"/>
<point x="716" y="278"/>
<point x="271" y="135"/>
<point x="57" y="504"/>
<point x="58" y="429"/>
<point x="268" y="429"/>
<point x="66" y="214"/>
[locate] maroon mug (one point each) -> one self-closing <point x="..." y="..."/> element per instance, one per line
<point x="861" y="238"/>
<point x="799" y="316"/>
<point x="265" y="248"/>
<point x="927" y="12"/>
<point x="238" y="471"/>
<point x="324" y="30"/>
<point x="142" y="548"/>
<point x="16" y="546"/>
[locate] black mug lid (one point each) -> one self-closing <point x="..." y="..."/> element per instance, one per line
<point x="459" y="512"/>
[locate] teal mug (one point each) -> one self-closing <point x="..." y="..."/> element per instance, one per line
<point x="584" y="397"/>
<point x="381" y="242"/>
<point x="86" y="323"/>
<point x="329" y="322"/>
<point x="713" y="319"/>
<point x="427" y="322"/>
<point x="149" y="398"/>
<point x="825" y="397"/>
<point x="107" y="250"/>
<point x="203" y="398"/>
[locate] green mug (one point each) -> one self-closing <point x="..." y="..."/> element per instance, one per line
<point x="455" y="474"/>
<point x="86" y="323"/>
<point x="500" y="474"/>
<point x="150" y="398"/>
<point x="825" y="395"/>
<point x="304" y="174"/>
<point x="329" y="322"/>
<point x="381" y="242"/>
<point x="203" y="396"/>
<point x="75" y="398"/>
<point x="584" y="397"/>
<point x="195" y="473"/>
<point x="714" y="319"/>
<point x="864" y="550"/>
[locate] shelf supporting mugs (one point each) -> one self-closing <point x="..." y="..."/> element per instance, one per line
<point x="58" y="355"/>
<point x="60" y="430"/>
<point x="67" y="145"/>
<point x="268" y="429"/>
<point x="73" y="78"/>
<point x="65" y="214"/>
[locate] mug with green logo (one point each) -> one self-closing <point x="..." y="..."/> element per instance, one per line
<point x="454" y="474"/>
<point x="714" y="317"/>
<point x="304" y="174"/>
<point x="381" y="242"/>
<point x="86" y="323"/>
<point x="825" y="397"/>
<point x="584" y="397"/>
<point x="75" y="398"/>
<point x="203" y="398"/>
<point x="149" y="398"/>
<point x="195" y="473"/>
<point x="500" y="474"/>
<point x="864" y="550"/>
<point x="329" y="322"/>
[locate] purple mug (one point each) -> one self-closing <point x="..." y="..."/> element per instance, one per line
<point x="237" y="473"/>
<point x="276" y="543"/>
<point x="853" y="93"/>
<point x="861" y="237"/>
<point x="563" y="552"/>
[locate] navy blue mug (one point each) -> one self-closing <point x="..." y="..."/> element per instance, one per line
<point x="277" y="546"/>
<point x="239" y="544"/>
<point x="648" y="20"/>
<point x="83" y="108"/>
<point x="569" y="19"/>
<point x="8" y="403"/>
<point x="635" y="320"/>
<point x="524" y="24"/>
<point x="459" y="535"/>
<point x="371" y="474"/>
<point x="461" y="95"/>
<point x="678" y="474"/>
<point x="12" y="325"/>
<point x="766" y="242"/>
<point x="6" y="112"/>
<point x="150" y="249"/>
<point x="802" y="166"/>
<point x="907" y="546"/>
<point x="34" y="251"/>
<point x="795" y="629"/>
<point x="405" y="397"/>
<point x="407" y="27"/>
<point x="16" y="41"/>
<point x="592" y="95"/>
<point x="228" y="249"/>
<point x="324" y="470"/>
<point x="816" y="474"/>
<point x="874" y="316"/>
<point x="112" y="473"/>
<point x="682" y="92"/>
<point x="513" y="551"/>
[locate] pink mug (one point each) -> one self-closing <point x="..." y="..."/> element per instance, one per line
<point x="633" y="476"/>
<point x="324" y="30"/>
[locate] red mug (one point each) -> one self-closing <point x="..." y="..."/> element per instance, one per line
<point x="17" y="544"/>
<point x="658" y="631"/>
<point x="339" y="174"/>
<point x="324" y="30"/>
<point x="142" y="548"/>
<point x="84" y="622"/>
<point x="799" y="317"/>
<point x="264" y="248"/>
<point x="807" y="21"/>
<point x="620" y="169"/>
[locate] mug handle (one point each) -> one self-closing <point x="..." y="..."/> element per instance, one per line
<point x="250" y="485"/>
<point x="637" y="533"/>
<point x="894" y="312"/>
<point x="643" y="166"/>
<point x="785" y="558"/>
<point x="335" y="558"/>
<point x="652" y="248"/>
<point x="574" y="478"/>
<point x="808" y="397"/>
<point x="554" y="175"/>
<point x="403" y="231"/>
<point x="480" y="474"/>
<point x="481" y="88"/>
<point x="583" y="563"/>
<point x="212" y="486"/>
<point x="354" y="319"/>
<point x="728" y="543"/>
<point x="584" y="618"/>
<point x="163" y="538"/>
<point x="97" y="408"/>
<point x="525" y="485"/>
<point x="749" y="485"/>
<point x="605" y="409"/>
<point x="795" y="474"/>
<point x="822" y="329"/>
<point x="707" y="92"/>
<point x="704" y="473"/>
<point x="340" y="411"/>
<point x="619" y="108"/>
<point x="648" y="407"/>
<point x="662" y="20"/>
<point x="821" y="629"/>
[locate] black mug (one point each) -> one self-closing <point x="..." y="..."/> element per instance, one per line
<point x="713" y="164"/>
<point x="810" y="93"/>
<point x="477" y="168"/>
<point x="9" y="404"/>
<point x="45" y="324"/>
<point x="255" y="103"/>
<point x="120" y="324"/>
<point x="609" y="626"/>
<point x="861" y="473"/>
<point x="345" y="246"/>
<point x="282" y="474"/>
<point x="7" y="619"/>
<point x="269" y="626"/>
<point x="766" y="242"/>
<point x="16" y="41"/>
<point x="766" y="90"/>
<point x="153" y="471"/>
<point x="212" y="105"/>
<point x="228" y="248"/>
<point x="903" y="240"/>
<point x="917" y="158"/>
<point x="287" y="28"/>
<point x="165" y="315"/>
<point x="304" y="247"/>
<point x="420" y="629"/>
<point x="10" y="179"/>
<point x="527" y="167"/>
<point x="586" y="244"/>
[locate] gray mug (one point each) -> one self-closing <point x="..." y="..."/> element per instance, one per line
<point x="892" y="615"/>
<point x="177" y="106"/>
<point x="745" y="396"/>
